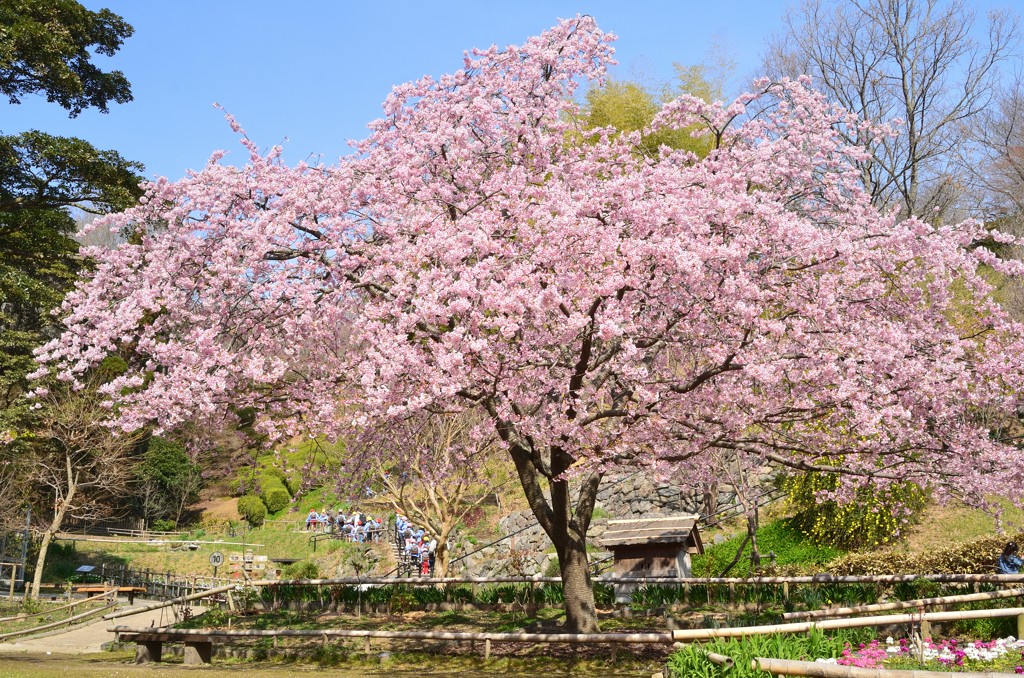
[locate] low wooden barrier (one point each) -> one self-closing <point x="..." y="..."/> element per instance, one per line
<point x="904" y="604"/>
<point x="802" y="627"/>
<point x="45" y="627"/>
<point x="105" y="594"/>
<point x="815" y="579"/>
<point x="175" y="601"/>
<point x="788" y="667"/>
<point x="150" y="640"/>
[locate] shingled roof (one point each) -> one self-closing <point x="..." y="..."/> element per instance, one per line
<point x="671" y="530"/>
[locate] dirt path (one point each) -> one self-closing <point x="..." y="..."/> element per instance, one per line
<point x="87" y="639"/>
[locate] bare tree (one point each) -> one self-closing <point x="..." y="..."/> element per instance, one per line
<point x="435" y="469"/>
<point x="912" y="60"/>
<point x="83" y="463"/>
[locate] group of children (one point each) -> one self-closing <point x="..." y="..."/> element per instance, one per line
<point x="419" y="547"/>
<point x="355" y="527"/>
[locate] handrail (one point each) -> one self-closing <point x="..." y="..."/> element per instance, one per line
<point x="62" y="622"/>
<point x="813" y="579"/>
<point x="663" y="637"/>
<point x="58" y="609"/>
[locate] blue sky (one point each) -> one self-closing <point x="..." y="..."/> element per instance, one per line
<point x="316" y="71"/>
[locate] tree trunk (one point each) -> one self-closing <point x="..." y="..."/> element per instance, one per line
<point x="58" y="518"/>
<point x="37" y="577"/>
<point x="442" y="559"/>
<point x="580" y="610"/>
<point x="566" y="525"/>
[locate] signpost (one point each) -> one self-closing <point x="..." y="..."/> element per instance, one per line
<point x="216" y="559"/>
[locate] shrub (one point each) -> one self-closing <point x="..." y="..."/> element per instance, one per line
<point x="293" y="485"/>
<point x="975" y="556"/>
<point x="275" y="495"/>
<point x="162" y="526"/>
<point x="252" y="509"/>
<point x="303" y="569"/>
<point x="876" y="517"/>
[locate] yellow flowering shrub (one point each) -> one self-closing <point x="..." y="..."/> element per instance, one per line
<point x="876" y="517"/>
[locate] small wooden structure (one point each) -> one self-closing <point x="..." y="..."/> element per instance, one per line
<point x="651" y="547"/>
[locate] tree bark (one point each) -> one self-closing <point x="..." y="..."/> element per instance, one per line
<point x="566" y="525"/>
<point x="58" y="518"/>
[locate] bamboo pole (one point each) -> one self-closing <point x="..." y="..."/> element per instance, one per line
<point x="816" y="579"/>
<point x="576" y="638"/>
<point x="801" y="627"/>
<point x="903" y="604"/>
<point x="157" y="606"/>
<point x="58" y="609"/>
<point x="720" y="659"/>
<point x="62" y="622"/>
<point x="789" y="667"/>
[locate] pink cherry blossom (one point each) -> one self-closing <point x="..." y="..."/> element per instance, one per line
<point x="483" y="249"/>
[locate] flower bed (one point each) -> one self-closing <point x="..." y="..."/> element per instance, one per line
<point x="950" y="653"/>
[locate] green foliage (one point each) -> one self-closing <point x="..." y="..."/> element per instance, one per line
<point x="779" y="537"/>
<point x="47" y="48"/>
<point x="977" y="555"/>
<point x="39" y="171"/>
<point x="877" y="517"/>
<point x="402" y="600"/>
<point x="553" y="569"/>
<point x="629" y="107"/>
<point x="692" y="660"/>
<point x="275" y="495"/>
<point x="304" y="569"/>
<point x="252" y="509"/>
<point x="169" y="479"/>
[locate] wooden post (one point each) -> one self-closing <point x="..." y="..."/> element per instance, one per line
<point x="231" y="602"/>
<point x="533" y="599"/>
<point x="275" y="641"/>
<point x="1020" y="626"/>
<point x="732" y="593"/>
<point x="487" y="649"/>
<point x="320" y="594"/>
<point x="366" y="645"/>
<point x="686" y="593"/>
<point x="615" y="650"/>
<point x="324" y="637"/>
<point x="472" y="595"/>
<point x="785" y="591"/>
<point x="926" y="629"/>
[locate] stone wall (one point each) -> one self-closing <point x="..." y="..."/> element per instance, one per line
<point x="627" y="496"/>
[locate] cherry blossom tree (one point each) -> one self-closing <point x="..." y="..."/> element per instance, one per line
<point x="484" y="250"/>
<point x="435" y="468"/>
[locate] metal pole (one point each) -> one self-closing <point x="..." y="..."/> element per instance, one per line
<point x="24" y="542"/>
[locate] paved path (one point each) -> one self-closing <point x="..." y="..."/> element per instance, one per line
<point x="89" y="638"/>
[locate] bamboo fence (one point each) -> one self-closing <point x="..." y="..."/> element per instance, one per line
<point x="856" y="622"/>
<point x="904" y="604"/>
<point x="51" y="625"/>
<point x="574" y="638"/>
<point x="787" y="667"/>
<point x="58" y="609"/>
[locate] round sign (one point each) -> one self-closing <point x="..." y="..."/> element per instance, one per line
<point x="216" y="559"/>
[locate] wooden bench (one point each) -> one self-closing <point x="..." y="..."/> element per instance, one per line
<point x="149" y="647"/>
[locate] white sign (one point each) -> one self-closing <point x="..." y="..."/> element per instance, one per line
<point x="216" y="559"/>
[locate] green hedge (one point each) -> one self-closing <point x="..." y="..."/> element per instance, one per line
<point x="252" y="509"/>
<point x="275" y="494"/>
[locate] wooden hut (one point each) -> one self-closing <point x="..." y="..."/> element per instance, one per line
<point x="651" y="547"/>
